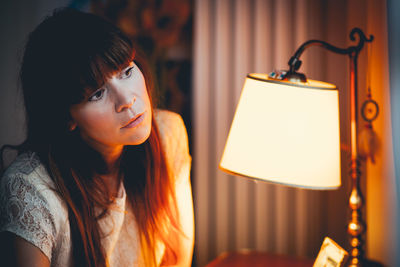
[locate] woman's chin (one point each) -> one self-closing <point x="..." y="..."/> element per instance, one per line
<point x="139" y="137"/>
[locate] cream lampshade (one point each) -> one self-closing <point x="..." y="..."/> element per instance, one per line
<point x="286" y="132"/>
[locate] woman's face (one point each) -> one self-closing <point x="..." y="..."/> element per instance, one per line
<point x="117" y="114"/>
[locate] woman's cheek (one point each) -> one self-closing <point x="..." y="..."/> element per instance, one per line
<point x="101" y="120"/>
<point x="93" y="118"/>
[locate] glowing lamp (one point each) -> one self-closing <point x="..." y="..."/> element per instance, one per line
<point x="286" y="133"/>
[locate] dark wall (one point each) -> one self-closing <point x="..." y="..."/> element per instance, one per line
<point x="17" y="19"/>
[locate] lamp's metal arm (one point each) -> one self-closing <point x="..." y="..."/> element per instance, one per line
<point x="295" y="62"/>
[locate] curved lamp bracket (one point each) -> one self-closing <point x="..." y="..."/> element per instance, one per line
<point x="352" y="51"/>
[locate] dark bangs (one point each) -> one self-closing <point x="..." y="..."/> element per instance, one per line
<point x="80" y="52"/>
<point x="73" y="52"/>
<point x="115" y="54"/>
<point x="105" y="51"/>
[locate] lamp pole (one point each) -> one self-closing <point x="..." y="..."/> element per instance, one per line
<point x="356" y="226"/>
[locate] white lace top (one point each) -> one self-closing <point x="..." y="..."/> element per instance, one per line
<point x="31" y="209"/>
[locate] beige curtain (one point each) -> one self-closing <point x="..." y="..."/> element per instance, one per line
<point x="231" y="39"/>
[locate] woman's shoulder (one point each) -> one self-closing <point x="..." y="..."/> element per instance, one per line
<point x="23" y="164"/>
<point x="29" y="204"/>
<point x="27" y="180"/>
<point x="171" y="128"/>
<point x="168" y="120"/>
<point x="174" y="139"/>
<point x="27" y="169"/>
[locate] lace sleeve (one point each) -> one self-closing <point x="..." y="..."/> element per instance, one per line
<point x="25" y="212"/>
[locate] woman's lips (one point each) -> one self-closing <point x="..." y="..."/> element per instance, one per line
<point x="135" y="121"/>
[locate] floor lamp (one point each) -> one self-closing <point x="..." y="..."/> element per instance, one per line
<point x="295" y="139"/>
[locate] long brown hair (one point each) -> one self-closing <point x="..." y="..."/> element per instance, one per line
<point x="68" y="54"/>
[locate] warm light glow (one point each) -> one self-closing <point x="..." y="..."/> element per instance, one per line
<point x="286" y="133"/>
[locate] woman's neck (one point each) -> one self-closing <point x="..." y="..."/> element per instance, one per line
<point x="111" y="154"/>
<point x="112" y="158"/>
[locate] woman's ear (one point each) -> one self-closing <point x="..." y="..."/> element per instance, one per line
<point x="71" y="125"/>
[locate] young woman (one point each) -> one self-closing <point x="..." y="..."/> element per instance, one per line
<point x="102" y="178"/>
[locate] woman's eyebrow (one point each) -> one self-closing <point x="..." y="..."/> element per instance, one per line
<point x="130" y="64"/>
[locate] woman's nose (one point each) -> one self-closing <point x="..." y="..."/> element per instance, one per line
<point x="125" y="99"/>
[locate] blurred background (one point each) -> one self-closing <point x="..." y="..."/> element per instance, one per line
<point x="200" y="52"/>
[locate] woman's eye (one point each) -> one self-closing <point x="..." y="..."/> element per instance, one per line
<point x="97" y="95"/>
<point x="127" y="73"/>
